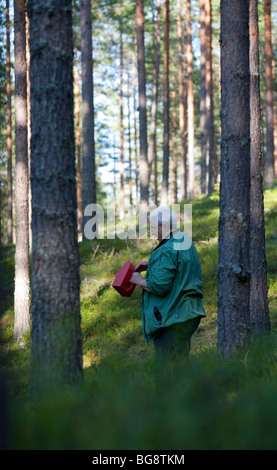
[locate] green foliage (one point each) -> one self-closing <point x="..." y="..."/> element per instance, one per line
<point x="126" y="401"/>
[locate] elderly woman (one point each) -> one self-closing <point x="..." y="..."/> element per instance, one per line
<point x="172" y="288"/>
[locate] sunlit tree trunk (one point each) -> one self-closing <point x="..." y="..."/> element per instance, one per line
<point x="210" y="102"/>
<point x="129" y="137"/>
<point x="9" y="128"/>
<point x="22" y="281"/>
<point x="259" y="313"/>
<point x="234" y="221"/>
<point x="135" y="129"/>
<point x="143" y="162"/>
<point x="78" y="142"/>
<point x="164" y="197"/>
<point x="29" y="123"/>
<point x="121" y="196"/>
<point x="56" y="321"/>
<point x="182" y="102"/>
<point x="203" y="93"/>
<point x="88" y="146"/>
<point x="174" y="159"/>
<point x="152" y="139"/>
<point x="269" y="160"/>
<point x="190" y="107"/>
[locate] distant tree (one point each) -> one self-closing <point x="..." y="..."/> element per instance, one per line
<point x="155" y="92"/>
<point x="174" y="159"/>
<point x="135" y="127"/>
<point x="269" y="160"/>
<point x="206" y="99"/>
<point x="234" y="234"/>
<point x="56" y="330"/>
<point x="190" y="107"/>
<point x="203" y="92"/>
<point x="121" y="194"/>
<point x="182" y="102"/>
<point x="88" y="144"/>
<point x="164" y="196"/>
<point x="143" y="161"/>
<point x="22" y="281"/>
<point x="78" y="142"/>
<point x="129" y="137"/>
<point x="9" y="127"/>
<point x="259" y="313"/>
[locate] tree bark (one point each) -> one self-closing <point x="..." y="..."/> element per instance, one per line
<point x="164" y="197"/>
<point x="78" y="142"/>
<point x="182" y="103"/>
<point x="190" y="104"/>
<point x="22" y="280"/>
<point x="259" y="312"/>
<point x="174" y="160"/>
<point x="269" y="160"/>
<point x="29" y="123"/>
<point x="88" y="147"/>
<point x="121" y="197"/>
<point x="203" y="93"/>
<point x="153" y="124"/>
<point x="143" y="163"/>
<point x="135" y="129"/>
<point x="9" y="128"/>
<point x="129" y="138"/>
<point x="210" y="102"/>
<point x="234" y="234"/>
<point x="56" y="330"/>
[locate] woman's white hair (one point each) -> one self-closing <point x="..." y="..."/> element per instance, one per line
<point x="163" y="216"/>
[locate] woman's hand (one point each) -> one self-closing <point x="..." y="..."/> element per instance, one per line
<point x="139" y="280"/>
<point x="142" y="266"/>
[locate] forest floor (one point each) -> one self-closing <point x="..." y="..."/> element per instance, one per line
<point x="214" y="404"/>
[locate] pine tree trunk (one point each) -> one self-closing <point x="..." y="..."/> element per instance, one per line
<point x="9" y="128"/>
<point x="182" y="103"/>
<point x="164" y="197"/>
<point x="88" y="147"/>
<point x="56" y="330"/>
<point x="203" y="92"/>
<point x="190" y="104"/>
<point x="151" y="149"/>
<point x="135" y="129"/>
<point x="259" y="313"/>
<point x="174" y="160"/>
<point x="210" y="102"/>
<point x="234" y="233"/>
<point x="269" y="160"/>
<point x="78" y="143"/>
<point x="121" y="197"/>
<point x="22" y="280"/>
<point x="143" y="163"/>
<point x="129" y="138"/>
<point x="29" y="124"/>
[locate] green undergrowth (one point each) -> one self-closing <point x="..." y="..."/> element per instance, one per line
<point x="124" y="402"/>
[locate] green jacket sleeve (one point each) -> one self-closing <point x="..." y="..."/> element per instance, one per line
<point x="160" y="278"/>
